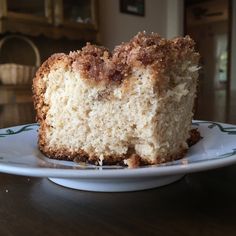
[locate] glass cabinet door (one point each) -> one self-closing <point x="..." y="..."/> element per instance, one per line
<point x="36" y="10"/>
<point x="75" y="12"/>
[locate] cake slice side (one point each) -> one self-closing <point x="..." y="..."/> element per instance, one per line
<point x="143" y="117"/>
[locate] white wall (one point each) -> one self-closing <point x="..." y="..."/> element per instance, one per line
<point x="116" y="27"/>
<point x="175" y="18"/>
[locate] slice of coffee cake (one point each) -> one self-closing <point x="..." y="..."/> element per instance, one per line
<point x="132" y="106"/>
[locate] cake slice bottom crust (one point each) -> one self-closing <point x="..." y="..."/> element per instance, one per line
<point x="130" y="160"/>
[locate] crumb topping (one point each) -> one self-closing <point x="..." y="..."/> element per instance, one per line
<point x="98" y="64"/>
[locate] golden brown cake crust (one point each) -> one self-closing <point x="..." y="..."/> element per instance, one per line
<point x="81" y="156"/>
<point x="39" y="88"/>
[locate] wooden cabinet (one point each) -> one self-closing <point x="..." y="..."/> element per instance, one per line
<point x="16" y="105"/>
<point x="207" y="12"/>
<point x="74" y="19"/>
<point x="39" y="10"/>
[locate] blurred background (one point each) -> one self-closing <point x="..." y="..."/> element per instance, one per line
<point x="30" y="31"/>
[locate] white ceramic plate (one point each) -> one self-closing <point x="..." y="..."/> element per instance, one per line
<point x="19" y="155"/>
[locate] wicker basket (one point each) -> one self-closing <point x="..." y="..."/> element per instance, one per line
<point x="11" y="73"/>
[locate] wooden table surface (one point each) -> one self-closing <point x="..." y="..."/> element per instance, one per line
<point x="199" y="204"/>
